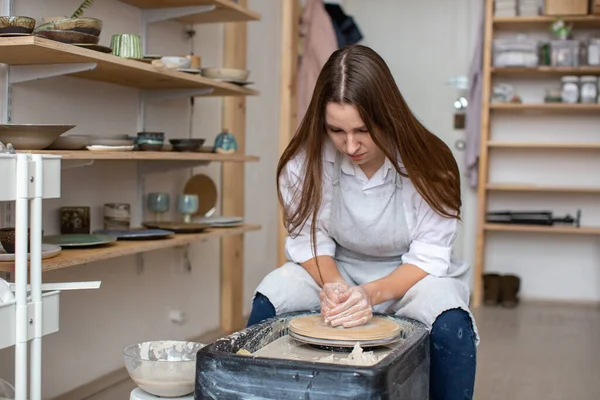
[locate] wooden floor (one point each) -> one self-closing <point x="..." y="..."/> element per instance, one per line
<point x="533" y="352"/>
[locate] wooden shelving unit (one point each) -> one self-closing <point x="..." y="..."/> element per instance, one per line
<point x="543" y="146"/>
<point x="564" y="230"/>
<point x="225" y="10"/>
<point x="543" y="71"/>
<point x="542" y="189"/>
<point x="544" y="22"/>
<point x="73" y="257"/>
<point x="145" y="155"/>
<point x="31" y="50"/>
<point x="489" y="110"/>
<point x="545" y="107"/>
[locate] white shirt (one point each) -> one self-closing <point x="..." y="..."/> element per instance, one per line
<point x="431" y="235"/>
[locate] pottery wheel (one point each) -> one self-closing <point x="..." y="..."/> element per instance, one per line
<point x="312" y="329"/>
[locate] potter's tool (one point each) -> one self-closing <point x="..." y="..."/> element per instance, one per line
<point x="313" y="330"/>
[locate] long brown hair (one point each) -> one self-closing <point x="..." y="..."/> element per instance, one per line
<point x="357" y="75"/>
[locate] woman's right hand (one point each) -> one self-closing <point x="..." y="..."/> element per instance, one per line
<point x="332" y="295"/>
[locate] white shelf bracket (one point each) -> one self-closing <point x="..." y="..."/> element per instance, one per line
<point x="171" y="94"/>
<point x="164" y="14"/>
<point x="26" y="73"/>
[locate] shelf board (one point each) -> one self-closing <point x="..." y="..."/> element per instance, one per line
<point x="72" y="257"/>
<point x="545" y="107"/>
<point x="225" y="11"/>
<point x="544" y="71"/>
<point x="543" y="229"/>
<point x="537" y="188"/>
<point x="31" y="50"/>
<point x="544" y="146"/>
<point x="145" y="155"/>
<point x="544" y="22"/>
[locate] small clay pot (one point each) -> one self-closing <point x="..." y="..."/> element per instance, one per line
<point x="7" y="239"/>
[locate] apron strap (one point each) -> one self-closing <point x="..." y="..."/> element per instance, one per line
<point x="337" y="168"/>
<point x="397" y="179"/>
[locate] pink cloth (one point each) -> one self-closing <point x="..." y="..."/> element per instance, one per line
<point x="319" y="41"/>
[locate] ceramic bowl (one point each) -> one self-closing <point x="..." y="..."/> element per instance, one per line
<point x="231" y="74"/>
<point x="67" y="36"/>
<point x="111" y="142"/>
<point x="91" y="26"/>
<point x="187" y="144"/>
<point x="176" y="62"/>
<point x="71" y="142"/>
<point x="31" y="137"/>
<point x="150" y="141"/>
<point x="163" y="368"/>
<point x="17" y="24"/>
<point x="7" y="239"/>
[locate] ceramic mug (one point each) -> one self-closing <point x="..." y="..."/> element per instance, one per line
<point x="187" y="204"/>
<point x="158" y="203"/>
<point x="74" y="220"/>
<point x="117" y="216"/>
<point x="127" y="45"/>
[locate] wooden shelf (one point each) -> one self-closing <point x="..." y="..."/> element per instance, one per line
<point x="545" y="71"/>
<point x="544" y="22"/>
<point x="543" y="229"/>
<point x="546" y="107"/>
<point x="31" y="50"/>
<point x="544" y="146"/>
<point x="225" y="11"/>
<point x="536" y="188"/>
<point x="72" y="257"/>
<point x="145" y="155"/>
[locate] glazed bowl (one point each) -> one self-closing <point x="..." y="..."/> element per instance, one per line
<point x="31" y="136"/>
<point x="163" y="368"/>
<point x="70" y="142"/>
<point x="230" y="74"/>
<point x="17" y="24"/>
<point x="67" y="36"/>
<point x="91" y="26"/>
<point x="176" y="62"/>
<point x="187" y="144"/>
<point x="150" y="141"/>
<point x="8" y="240"/>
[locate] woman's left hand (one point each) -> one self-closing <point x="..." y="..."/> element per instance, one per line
<point x="355" y="311"/>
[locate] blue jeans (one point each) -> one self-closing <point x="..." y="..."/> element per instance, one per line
<point x="452" y="351"/>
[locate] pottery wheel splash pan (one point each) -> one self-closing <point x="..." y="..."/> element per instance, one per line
<point x="225" y="375"/>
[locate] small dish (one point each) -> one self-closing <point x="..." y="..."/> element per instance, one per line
<point x="220" y="221"/>
<point x="111" y="142"/>
<point x="187" y="145"/>
<point x="95" y="47"/>
<point x="76" y="240"/>
<point x="176" y="62"/>
<point x="14" y="34"/>
<point x="16" y="25"/>
<point x="91" y="26"/>
<point x="136" y="234"/>
<point x="177" y="227"/>
<point x="189" y="70"/>
<point x="48" y="251"/>
<point x="109" y="148"/>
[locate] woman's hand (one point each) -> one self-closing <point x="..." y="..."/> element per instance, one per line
<point x="355" y="310"/>
<point x="332" y="295"/>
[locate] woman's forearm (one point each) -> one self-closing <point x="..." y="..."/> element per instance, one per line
<point x="395" y="285"/>
<point x="328" y="268"/>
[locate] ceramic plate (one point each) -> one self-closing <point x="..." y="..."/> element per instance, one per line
<point x="14" y="34"/>
<point x="189" y="70"/>
<point x="109" y="148"/>
<point x="177" y="227"/>
<point x="48" y="251"/>
<point x="95" y="47"/>
<point x="241" y="83"/>
<point x="206" y="190"/>
<point x="218" y="221"/>
<point x="136" y="234"/>
<point x="79" y="240"/>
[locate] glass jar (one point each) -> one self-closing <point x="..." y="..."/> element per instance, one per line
<point x="570" y="89"/>
<point x="593" y="52"/>
<point x="589" y="89"/>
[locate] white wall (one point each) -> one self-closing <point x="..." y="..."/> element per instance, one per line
<point x="97" y="325"/>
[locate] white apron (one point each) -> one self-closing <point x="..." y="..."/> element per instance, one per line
<point x="371" y="235"/>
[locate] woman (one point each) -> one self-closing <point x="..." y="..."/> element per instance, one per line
<point x="371" y="199"/>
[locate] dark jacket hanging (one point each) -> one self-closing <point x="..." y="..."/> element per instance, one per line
<point x="346" y="30"/>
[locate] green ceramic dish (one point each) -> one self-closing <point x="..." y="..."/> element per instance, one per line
<point x="77" y="240"/>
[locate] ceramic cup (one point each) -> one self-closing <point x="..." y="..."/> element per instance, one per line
<point x="187" y="204"/>
<point x="127" y="45"/>
<point x="158" y="203"/>
<point x="196" y="61"/>
<point x="117" y="216"/>
<point x="74" y="220"/>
